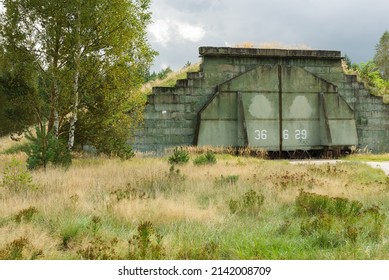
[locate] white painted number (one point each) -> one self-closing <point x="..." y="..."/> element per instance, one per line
<point x="260" y="134"/>
<point x="285" y="134"/>
<point x="301" y="134"/>
<point x="298" y="134"/>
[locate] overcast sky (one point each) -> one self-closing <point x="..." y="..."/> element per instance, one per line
<point x="180" y="27"/>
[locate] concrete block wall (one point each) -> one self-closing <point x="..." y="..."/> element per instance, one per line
<point x="371" y="115"/>
<point x="170" y="117"/>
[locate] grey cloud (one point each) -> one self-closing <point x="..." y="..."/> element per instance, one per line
<point x="351" y="26"/>
<point x="194" y="6"/>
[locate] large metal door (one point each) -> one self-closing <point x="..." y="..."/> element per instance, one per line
<point x="277" y="108"/>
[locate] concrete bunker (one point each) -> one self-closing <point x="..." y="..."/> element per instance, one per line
<point x="278" y="100"/>
<point x="277" y="108"/>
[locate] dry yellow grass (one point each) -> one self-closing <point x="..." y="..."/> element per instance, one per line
<point x="170" y="79"/>
<point x="6" y="143"/>
<point x="124" y="194"/>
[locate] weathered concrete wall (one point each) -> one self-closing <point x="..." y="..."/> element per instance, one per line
<point x="171" y="116"/>
<point x="371" y="115"/>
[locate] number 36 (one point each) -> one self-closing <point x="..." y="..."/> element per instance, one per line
<point x="260" y="134"/>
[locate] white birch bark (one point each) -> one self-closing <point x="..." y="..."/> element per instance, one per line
<point x="56" y="115"/>
<point x="76" y="75"/>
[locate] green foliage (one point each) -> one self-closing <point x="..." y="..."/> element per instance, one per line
<point x="326" y="230"/>
<point x="371" y="76"/>
<point x="171" y="183"/>
<point x="208" y="251"/>
<point x="314" y="204"/>
<point x="69" y="230"/>
<point x="175" y="175"/>
<point x="15" y="149"/>
<point x="160" y="75"/>
<point x="148" y="188"/>
<point x="78" y="224"/>
<point x="45" y="148"/>
<point x="170" y="80"/>
<point x="128" y="193"/>
<point x="226" y="180"/>
<point x="333" y="222"/>
<point x="16" y="178"/>
<point x="126" y="152"/>
<point x="179" y="156"/>
<point x="95" y="225"/>
<point x="250" y="203"/>
<point x="82" y="71"/>
<point x="19" y="90"/>
<point x="146" y="244"/>
<point x="19" y="249"/>
<point x="381" y="58"/>
<point x="208" y="158"/>
<point x="98" y="249"/>
<point x="26" y="214"/>
<point x="372" y="222"/>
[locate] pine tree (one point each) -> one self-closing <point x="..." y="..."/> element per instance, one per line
<point x="45" y="148"/>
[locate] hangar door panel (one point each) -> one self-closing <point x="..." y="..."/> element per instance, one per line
<point x="285" y="108"/>
<point x="261" y="114"/>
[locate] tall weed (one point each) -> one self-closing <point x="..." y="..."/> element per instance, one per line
<point x="249" y="203"/>
<point x="334" y="221"/>
<point x="16" y="178"/>
<point x="146" y="244"/>
<point x="207" y="158"/>
<point x="19" y="249"/>
<point x="179" y="156"/>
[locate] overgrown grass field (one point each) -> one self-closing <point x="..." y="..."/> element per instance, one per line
<point x="232" y="208"/>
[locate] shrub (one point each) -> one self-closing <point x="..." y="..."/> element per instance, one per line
<point x="327" y="231"/>
<point x="146" y="244"/>
<point x="45" y="148"/>
<point x="372" y="78"/>
<point x="19" y="249"/>
<point x="26" y="214"/>
<point x="314" y="204"/>
<point x="95" y="225"/>
<point x="98" y="249"/>
<point x="228" y="180"/>
<point x="15" y="149"/>
<point x="180" y="156"/>
<point x="16" y="177"/>
<point x="14" y="249"/>
<point x="129" y="193"/>
<point x="69" y="229"/>
<point x="209" y="251"/>
<point x="334" y="221"/>
<point x="175" y="176"/>
<point x="125" y="152"/>
<point x="249" y="203"/>
<point x="208" y="158"/>
<point x="370" y="224"/>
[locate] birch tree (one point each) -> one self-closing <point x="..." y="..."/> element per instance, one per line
<point x="76" y="76"/>
<point x="90" y="56"/>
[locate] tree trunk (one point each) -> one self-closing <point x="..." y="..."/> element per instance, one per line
<point x="76" y="77"/>
<point x="53" y="124"/>
<point x="54" y="116"/>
